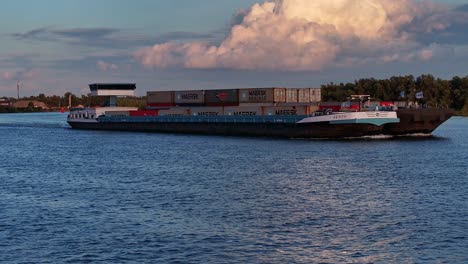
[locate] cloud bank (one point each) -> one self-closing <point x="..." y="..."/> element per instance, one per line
<point x="304" y="35"/>
<point x="18" y="75"/>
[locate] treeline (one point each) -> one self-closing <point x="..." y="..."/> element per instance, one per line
<point x="57" y="102"/>
<point x="435" y="91"/>
<point x="10" y="109"/>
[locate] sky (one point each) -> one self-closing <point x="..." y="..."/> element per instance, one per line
<point x="58" y="46"/>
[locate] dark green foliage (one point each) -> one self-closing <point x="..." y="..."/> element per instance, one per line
<point x="55" y="102"/>
<point x="437" y="92"/>
<point x="8" y="109"/>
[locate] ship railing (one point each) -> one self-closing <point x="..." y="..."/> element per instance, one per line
<point x="204" y="119"/>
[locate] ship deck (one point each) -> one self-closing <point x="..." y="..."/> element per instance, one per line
<point x="203" y="119"/>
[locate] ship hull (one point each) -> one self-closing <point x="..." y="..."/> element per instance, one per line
<point x="410" y="121"/>
<point x="418" y="121"/>
<point x="280" y="130"/>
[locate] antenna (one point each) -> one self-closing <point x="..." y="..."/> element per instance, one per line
<point x="17" y="88"/>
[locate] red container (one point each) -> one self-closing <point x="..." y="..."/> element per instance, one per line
<point x="386" y="103"/>
<point x="334" y="106"/>
<point x="144" y="113"/>
<point x="160" y="105"/>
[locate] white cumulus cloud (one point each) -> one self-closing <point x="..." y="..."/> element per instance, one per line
<point x="306" y="35"/>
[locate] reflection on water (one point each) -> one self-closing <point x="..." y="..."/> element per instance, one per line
<point x="79" y="196"/>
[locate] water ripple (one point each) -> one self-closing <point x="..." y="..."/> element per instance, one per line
<point x="84" y="196"/>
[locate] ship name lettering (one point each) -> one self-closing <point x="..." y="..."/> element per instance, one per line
<point x="286" y="112"/>
<point x="339" y="116"/>
<point x="207" y="113"/>
<point x="245" y="113"/>
<point x="189" y="96"/>
<point x="257" y="93"/>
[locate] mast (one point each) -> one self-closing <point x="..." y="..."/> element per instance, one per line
<point x="17" y="89"/>
<point x="361" y="98"/>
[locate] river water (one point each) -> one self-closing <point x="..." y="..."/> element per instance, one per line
<point x="115" y="197"/>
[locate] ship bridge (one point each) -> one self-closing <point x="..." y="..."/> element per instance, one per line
<point x="112" y="90"/>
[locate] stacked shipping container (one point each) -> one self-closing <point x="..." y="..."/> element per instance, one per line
<point x="303" y="95"/>
<point x="243" y="111"/>
<point x="160" y="98"/>
<point x="234" y="97"/>
<point x="291" y="96"/>
<point x="174" y="112"/>
<point x="233" y="102"/>
<point x="189" y="98"/>
<point x="262" y="95"/>
<point x="221" y="111"/>
<point x="222" y="97"/>
<point x="206" y="111"/>
<point x="315" y="95"/>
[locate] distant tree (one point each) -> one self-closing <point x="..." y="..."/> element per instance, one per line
<point x="30" y="107"/>
<point x="41" y="97"/>
<point x="437" y="92"/>
<point x="464" y="110"/>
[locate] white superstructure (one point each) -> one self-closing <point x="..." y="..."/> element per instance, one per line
<point x="91" y="114"/>
<point x="371" y="117"/>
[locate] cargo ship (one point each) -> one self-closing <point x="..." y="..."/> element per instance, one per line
<point x="267" y="112"/>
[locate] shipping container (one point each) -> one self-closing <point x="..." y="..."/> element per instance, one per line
<point x="117" y="113"/>
<point x="243" y="111"/>
<point x="291" y="95"/>
<point x="206" y="111"/>
<point x="222" y="97"/>
<point x="303" y="95"/>
<point x="387" y="103"/>
<point x="370" y="103"/>
<point x="296" y="104"/>
<point x="160" y="98"/>
<point x="262" y="95"/>
<point x="159" y="106"/>
<point x="313" y="108"/>
<point x="174" y="112"/>
<point x="144" y="113"/>
<point x="352" y="107"/>
<point x="196" y="97"/>
<point x="334" y="106"/>
<point x="315" y="95"/>
<point x="257" y="104"/>
<point x="287" y="110"/>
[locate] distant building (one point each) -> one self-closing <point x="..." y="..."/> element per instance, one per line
<point x="25" y="104"/>
<point x="5" y="102"/>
